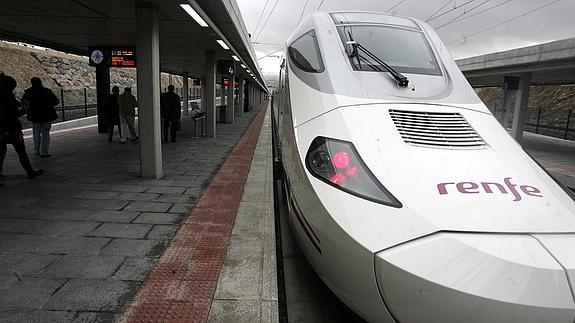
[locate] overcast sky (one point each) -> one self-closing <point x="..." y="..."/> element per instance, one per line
<point x="472" y="27"/>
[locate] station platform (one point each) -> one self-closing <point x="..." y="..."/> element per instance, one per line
<point x="556" y="155"/>
<point x="77" y="243"/>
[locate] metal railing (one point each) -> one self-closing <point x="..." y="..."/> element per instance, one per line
<point x="557" y="123"/>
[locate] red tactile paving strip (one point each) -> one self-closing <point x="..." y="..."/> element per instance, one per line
<point x="181" y="286"/>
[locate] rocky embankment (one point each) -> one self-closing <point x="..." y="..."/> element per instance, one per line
<point x="63" y="72"/>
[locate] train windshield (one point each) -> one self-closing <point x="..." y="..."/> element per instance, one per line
<point x="404" y="49"/>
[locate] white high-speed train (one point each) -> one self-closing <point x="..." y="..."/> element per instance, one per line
<point x="407" y="197"/>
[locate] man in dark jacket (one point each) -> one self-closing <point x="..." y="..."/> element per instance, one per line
<point x="171" y="112"/>
<point x="11" y="127"/>
<point x="40" y="102"/>
<point x="113" y="113"/>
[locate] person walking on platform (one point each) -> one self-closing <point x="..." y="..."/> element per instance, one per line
<point x="40" y="103"/>
<point x="171" y="112"/>
<point x="113" y="113"/>
<point x="11" y="127"/>
<point x="127" y="105"/>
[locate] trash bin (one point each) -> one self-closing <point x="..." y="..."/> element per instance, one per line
<point x="221" y="113"/>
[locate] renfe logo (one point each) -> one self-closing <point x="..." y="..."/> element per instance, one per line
<point x="488" y="187"/>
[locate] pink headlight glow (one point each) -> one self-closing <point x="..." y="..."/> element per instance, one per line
<point x="340" y="159"/>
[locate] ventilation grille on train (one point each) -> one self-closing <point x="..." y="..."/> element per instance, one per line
<point x="436" y="129"/>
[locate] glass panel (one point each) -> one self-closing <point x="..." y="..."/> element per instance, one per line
<point x="371" y="18"/>
<point x="407" y="51"/>
<point x="304" y="52"/>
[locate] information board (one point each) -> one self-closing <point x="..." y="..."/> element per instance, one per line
<point x="125" y="57"/>
<point x="225" y="67"/>
<point x="112" y="57"/>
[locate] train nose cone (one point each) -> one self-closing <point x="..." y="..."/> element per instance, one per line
<point x="450" y="277"/>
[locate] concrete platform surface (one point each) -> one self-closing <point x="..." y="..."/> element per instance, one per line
<point x="77" y="242"/>
<point x="556" y="155"/>
<point x="247" y="286"/>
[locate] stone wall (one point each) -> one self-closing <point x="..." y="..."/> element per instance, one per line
<point x="64" y="73"/>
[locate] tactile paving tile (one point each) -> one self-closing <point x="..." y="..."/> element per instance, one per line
<point x="204" y="271"/>
<point x="196" y="291"/>
<point x="208" y="254"/>
<point x="182" y="284"/>
<point x="189" y="312"/>
<point x="149" y="312"/>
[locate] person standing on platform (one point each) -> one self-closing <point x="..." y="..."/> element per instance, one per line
<point x="127" y="105"/>
<point x="40" y="103"/>
<point x="11" y="127"/>
<point x="113" y="113"/>
<point x="171" y="113"/>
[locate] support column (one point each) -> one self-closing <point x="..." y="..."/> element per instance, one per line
<point x="241" y="96"/>
<point x="148" y="73"/>
<point x="507" y="107"/>
<point x="252" y="95"/>
<point x="230" y="99"/>
<point x="520" y="112"/>
<point x="102" y="94"/>
<point x="210" y="97"/>
<point x="185" y="89"/>
<point x="203" y="94"/>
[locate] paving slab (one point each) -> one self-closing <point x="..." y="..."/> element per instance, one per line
<point x="159" y="218"/>
<point x="121" y="230"/>
<point x="20" y="264"/>
<point x="36" y="316"/>
<point x="92" y="295"/>
<point x="134" y="248"/>
<point x="75" y="266"/>
<point x="149" y="206"/>
<point x="176" y="198"/>
<point x="181" y="207"/>
<point x="138" y="196"/>
<point x="166" y="190"/>
<point x="25" y="292"/>
<point x="134" y="269"/>
<point x="97" y="195"/>
<point x="162" y="232"/>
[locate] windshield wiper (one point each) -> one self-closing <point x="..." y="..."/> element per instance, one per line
<point x="400" y="78"/>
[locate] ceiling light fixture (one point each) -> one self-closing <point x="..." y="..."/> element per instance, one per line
<point x="235" y="58"/>
<point x="243" y="66"/>
<point x="194" y="14"/>
<point x="223" y="44"/>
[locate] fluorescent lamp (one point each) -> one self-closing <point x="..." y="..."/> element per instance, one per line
<point x="243" y="66"/>
<point x="235" y="58"/>
<point x="249" y="71"/>
<point x="223" y="44"/>
<point x="194" y="14"/>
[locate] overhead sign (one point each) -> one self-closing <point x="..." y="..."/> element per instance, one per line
<point x="125" y="57"/>
<point x="112" y="57"/>
<point x="225" y="67"/>
<point x="511" y="83"/>
<point x="97" y="57"/>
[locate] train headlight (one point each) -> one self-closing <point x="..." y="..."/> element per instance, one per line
<point x="338" y="164"/>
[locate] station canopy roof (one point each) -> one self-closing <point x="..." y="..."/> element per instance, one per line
<point x="549" y="63"/>
<point x="75" y="25"/>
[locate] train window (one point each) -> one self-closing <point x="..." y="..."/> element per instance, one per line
<point x="341" y="18"/>
<point x="304" y="52"/>
<point x="406" y="50"/>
